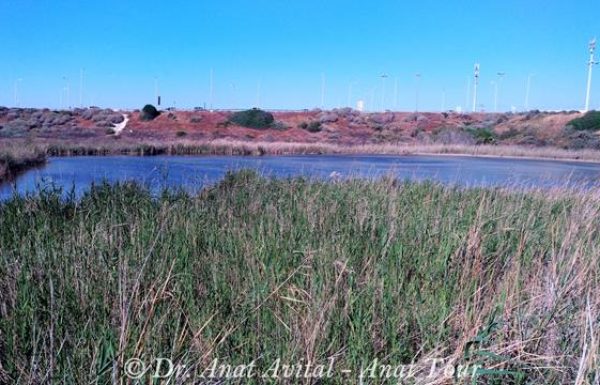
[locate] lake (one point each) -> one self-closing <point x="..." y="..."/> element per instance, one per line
<point x="193" y="172"/>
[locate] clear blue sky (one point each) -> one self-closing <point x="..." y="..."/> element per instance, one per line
<point x="286" y="46"/>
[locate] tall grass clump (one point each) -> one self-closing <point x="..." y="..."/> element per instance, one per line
<point x="16" y="160"/>
<point x="301" y="270"/>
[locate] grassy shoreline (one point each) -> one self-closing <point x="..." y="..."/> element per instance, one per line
<point x="233" y="147"/>
<point x="14" y="161"/>
<point x="301" y="270"/>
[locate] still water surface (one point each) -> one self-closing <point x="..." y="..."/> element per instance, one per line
<point x="192" y="173"/>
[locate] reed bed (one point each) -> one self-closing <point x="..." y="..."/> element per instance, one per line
<point x="14" y="160"/>
<point x="236" y="147"/>
<point x="257" y="269"/>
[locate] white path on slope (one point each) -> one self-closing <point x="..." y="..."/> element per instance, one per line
<point x="119" y="127"/>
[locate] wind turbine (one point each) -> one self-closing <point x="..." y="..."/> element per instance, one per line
<point x="589" y="81"/>
<point x="475" y="84"/>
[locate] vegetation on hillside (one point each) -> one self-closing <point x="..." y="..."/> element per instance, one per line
<point x="256" y="269"/>
<point x="588" y="122"/>
<point x="253" y="118"/>
<point x="149" y="112"/>
<point x="313" y="126"/>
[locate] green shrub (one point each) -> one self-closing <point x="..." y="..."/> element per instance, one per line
<point x="588" y="122"/>
<point x="279" y="125"/>
<point x="483" y="135"/>
<point x="149" y="112"/>
<point x="314" y="126"/>
<point x="253" y="118"/>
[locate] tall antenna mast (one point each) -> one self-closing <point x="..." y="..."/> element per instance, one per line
<point x="589" y="81"/>
<point x="475" y="84"/>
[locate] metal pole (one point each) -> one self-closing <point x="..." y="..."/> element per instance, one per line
<point x="495" y="84"/>
<point x="81" y="88"/>
<point x="383" y="77"/>
<point x="396" y="94"/>
<point x="498" y="84"/>
<point x="156" y="96"/>
<point x="443" y="100"/>
<point x="322" y="91"/>
<point x="211" y="89"/>
<point x="258" y="86"/>
<point x="589" y="80"/>
<point x="418" y="78"/>
<point x="527" y="91"/>
<point x="468" y="94"/>
<point x="475" y="84"/>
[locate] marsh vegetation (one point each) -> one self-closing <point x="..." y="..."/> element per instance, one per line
<point x="260" y="269"/>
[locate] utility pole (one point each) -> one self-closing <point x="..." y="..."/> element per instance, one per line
<point x="475" y="84"/>
<point x="81" y="88"/>
<point x="156" y="92"/>
<point x="396" y="94"/>
<point x="383" y="77"/>
<point x="211" y="90"/>
<point x="418" y="85"/>
<point x="443" y="100"/>
<point x="322" y="90"/>
<point x="68" y="92"/>
<point x="498" y="83"/>
<point x="468" y="93"/>
<point x="258" y="86"/>
<point x="527" y="91"/>
<point x="589" y="80"/>
<point x="349" y="102"/>
<point x="495" y="85"/>
<point x="233" y="104"/>
<point x="17" y="101"/>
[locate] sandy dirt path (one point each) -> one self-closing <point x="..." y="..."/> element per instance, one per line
<point x="119" y="127"/>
